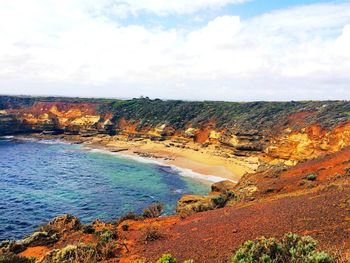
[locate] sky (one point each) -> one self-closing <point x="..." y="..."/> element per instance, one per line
<point x="232" y="50"/>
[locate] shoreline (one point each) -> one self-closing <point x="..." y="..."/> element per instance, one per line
<point x="199" y="164"/>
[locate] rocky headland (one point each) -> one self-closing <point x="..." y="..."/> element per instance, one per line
<point x="286" y="163"/>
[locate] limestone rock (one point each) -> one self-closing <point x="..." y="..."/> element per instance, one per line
<point x="223" y="186"/>
<point x="194" y="203"/>
<point x="63" y="223"/>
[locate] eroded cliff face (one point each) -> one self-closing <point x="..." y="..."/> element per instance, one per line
<point x="274" y="133"/>
<point x="56" y="117"/>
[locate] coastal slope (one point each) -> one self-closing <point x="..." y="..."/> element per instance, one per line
<point x="287" y="162"/>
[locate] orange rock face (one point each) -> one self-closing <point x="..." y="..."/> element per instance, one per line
<point x="309" y="143"/>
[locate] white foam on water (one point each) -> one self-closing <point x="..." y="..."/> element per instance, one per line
<point x="8" y="137"/>
<point x="43" y="141"/>
<point x="185" y="172"/>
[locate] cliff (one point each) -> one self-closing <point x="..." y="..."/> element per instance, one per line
<point x="300" y="183"/>
<point x="275" y="131"/>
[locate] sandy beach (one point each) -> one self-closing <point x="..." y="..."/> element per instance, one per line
<point x="192" y="158"/>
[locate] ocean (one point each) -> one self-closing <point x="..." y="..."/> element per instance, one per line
<point x="41" y="179"/>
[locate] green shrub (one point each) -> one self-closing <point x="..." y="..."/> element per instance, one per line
<point x="230" y="194"/>
<point x="125" y="227"/>
<point x="292" y="248"/>
<point x="106" y="235"/>
<point x="88" y="229"/>
<point x="220" y="200"/>
<point x="166" y="258"/>
<point x="311" y="177"/>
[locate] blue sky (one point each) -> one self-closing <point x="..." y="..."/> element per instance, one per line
<point x="196" y="50"/>
<point x="245" y="10"/>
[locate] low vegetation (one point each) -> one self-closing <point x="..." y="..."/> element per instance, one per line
<point x="166" y="258"/>
<point x="151" y="233"/>
<point x="311" y="177"/>
<point x="291" y="248"/>
<point x="153" y="210"/>
<point x="82" y="253"/>
<point x="12" y="258"/>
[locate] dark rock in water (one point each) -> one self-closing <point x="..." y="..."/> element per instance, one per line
<point x="87" y="135"/>
<point x="119" y="150"/>
<point x="55" y="132"/>
<point x="223" y="186"/>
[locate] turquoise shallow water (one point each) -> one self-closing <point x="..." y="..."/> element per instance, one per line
<point x="40" y="180"/>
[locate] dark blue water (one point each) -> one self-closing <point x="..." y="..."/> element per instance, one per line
<point x="39" y="181"/>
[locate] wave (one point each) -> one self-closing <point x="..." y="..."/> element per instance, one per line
<point x="43" y="141"/>
<point x="8" y="137"/>
<point x="185" y="172"/>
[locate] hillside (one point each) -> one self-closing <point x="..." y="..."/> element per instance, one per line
<point x="292" y="160"/>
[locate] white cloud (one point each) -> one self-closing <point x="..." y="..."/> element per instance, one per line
<point x="158" y="7"/>
<point x="51" y="47"/>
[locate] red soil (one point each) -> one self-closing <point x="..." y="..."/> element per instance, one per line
<point x="214" y="235"/>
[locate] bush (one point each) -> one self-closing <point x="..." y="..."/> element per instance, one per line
<point x="220" y="200"/>
<point x="82" y="253"/>
<point x="128" y="216"/>
<point x="153" y="210"/>
<point x="125" y="227"/>
<point x="88" y="229"/>
<point x="151" y="233"/>
<point x="166" y="258"/>
<point x="12" y="258"/>
<point x="292" y="248"/>
<point x="311" y="177"/>
<point x="106" y="235"/>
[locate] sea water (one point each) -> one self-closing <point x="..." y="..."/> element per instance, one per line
<point x="40" y="180"/>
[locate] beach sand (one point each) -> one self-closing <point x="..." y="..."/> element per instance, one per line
<point x="198" y="162"/>
<point x="203" y="161"/>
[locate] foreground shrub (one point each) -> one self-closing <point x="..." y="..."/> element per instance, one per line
<point x="292" y="248"/>
<point x="125" y="227"/>
<point x="106" y="235"/>
<point x="151" y="233"/>
<point x="12" y="258"/>
<point x="220" y="200"/>
<point x="166" y="258"/>
<point x="153" y="210"/>
<point x="311" y="177"/>
<point x="88" y="229"/>
<point x="83" y="253"/>
<point x="128" y="216"/>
